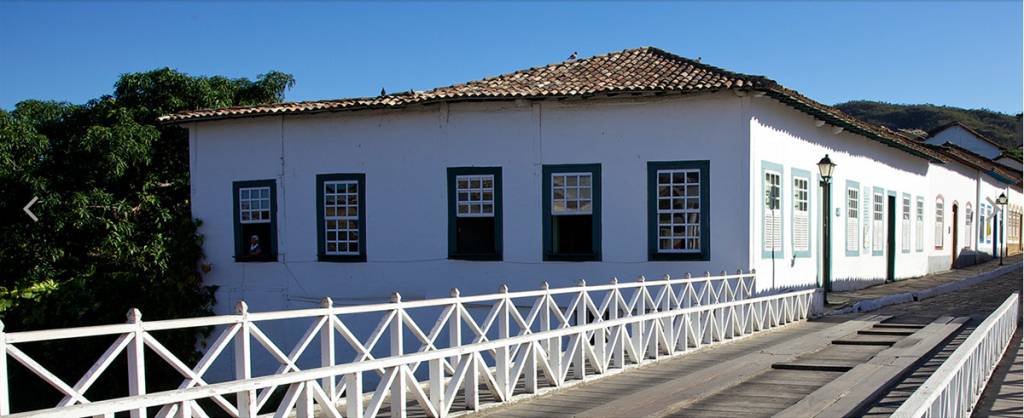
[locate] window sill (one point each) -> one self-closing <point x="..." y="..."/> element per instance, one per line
<point x="323" y="258"/>
<point x="475" y="257"/>
<point x="678" y="257"/>
<point x="572" y="257"/>
<point x="261" y="259"/>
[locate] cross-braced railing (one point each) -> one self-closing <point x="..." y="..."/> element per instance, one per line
<point x="954" y="389"/>
<point x="527" y="341"/>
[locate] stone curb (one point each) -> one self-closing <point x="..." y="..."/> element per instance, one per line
<point x="869" y="305"/>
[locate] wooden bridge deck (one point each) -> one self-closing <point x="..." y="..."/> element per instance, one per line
<point x="797" y="370"/>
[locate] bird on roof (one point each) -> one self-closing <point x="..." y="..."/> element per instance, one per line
<point x="573" y="56"/>
<point x="382" y="92"/>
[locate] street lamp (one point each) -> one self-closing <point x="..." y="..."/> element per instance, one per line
<point x="825" y="168"/>
<point x="1001" y="201"/>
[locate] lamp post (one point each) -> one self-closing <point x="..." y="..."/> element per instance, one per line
<point x="825" y="168"/>
<point x="1001" y="201"/>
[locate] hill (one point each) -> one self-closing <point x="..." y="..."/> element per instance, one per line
<point x="1000" y="127"/>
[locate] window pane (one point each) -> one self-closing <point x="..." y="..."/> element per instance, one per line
<point x="678" y="210"/>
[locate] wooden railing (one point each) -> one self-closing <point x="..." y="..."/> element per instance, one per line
<point x="953" y="390"/>
<point x="528" y="342"/>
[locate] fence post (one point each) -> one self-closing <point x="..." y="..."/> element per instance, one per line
<point x="667" y="323"/>
<point x="455" y="325"/>
<point x="354" y="394"/>
<point x="436" y="393"/>
<point x="5" y="400"/>
<point x="243" y="364"/>
<point x="327" y="348"/>
<point x="397" y="349"/>
<point x="637" y="336"/>
<point x="618" y="350"/>
<point x="137" y="361"/>
<point x="580" y="372"/>
<point x="552" y="346"/>
<point x="501" y="360"/>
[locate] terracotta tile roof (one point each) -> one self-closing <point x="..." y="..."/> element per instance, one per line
<point x="632" y="71"/>
<point x="964" y="156"/>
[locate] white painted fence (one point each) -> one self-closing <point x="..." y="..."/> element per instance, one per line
<point x="954" y="389"/>
<point x="600" y="329"/>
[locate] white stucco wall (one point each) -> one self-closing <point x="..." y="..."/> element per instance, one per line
<point x="961" y="137"/>
<point x="404" y="155"/>
<point x="957" y="184"/>
<point x="782" y="135"/>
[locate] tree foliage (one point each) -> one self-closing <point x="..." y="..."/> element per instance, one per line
<point x="115" y="229"/>
<point x="1000" y="127"/>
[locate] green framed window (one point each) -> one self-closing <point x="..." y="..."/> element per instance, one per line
<point x="255" y="220"/>
<point x="905" y="228"/>
<point x="771" y="210"/>
<point x="919" y="214"/>
<point x="572" y="212"/>
<point x="801" y="215"/>
<point x="474" y="213"/>
<point x="852" y="218"/>
<point x="678" y="210"/>
<point x="878" y="221"/>
<point x="341" y="217"/>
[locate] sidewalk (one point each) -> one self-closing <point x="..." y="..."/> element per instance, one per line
<point x="907" y="290"/>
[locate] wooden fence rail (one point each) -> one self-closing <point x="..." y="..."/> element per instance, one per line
<point x="525" y="341"/>
<point x="954" y="389"/>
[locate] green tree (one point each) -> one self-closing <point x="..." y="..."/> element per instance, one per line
<point x="115" y="229"/>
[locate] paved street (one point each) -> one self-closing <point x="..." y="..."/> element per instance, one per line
<point x="840" y="300"/>
<point x="790" y="370"/>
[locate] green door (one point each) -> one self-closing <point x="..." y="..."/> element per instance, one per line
<point x="890" y="246"/>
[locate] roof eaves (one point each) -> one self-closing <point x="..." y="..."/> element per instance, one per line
<point x="848" y="123"/>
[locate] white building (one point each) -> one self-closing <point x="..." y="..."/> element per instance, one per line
<point x="634" y="163"/>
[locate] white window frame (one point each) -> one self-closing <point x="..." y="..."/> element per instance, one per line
<point x="473" y="197"/>
<point x="578" y="189"/>
<point x="690" y="232"/>
<point x="920" y="223"/>
<point x="969" y="225"/>
<point x="344" y="224"/>
<point x="878" y="221"/>
<point x="852" y="218"/>
<point x="261" y="201"/>
<point x="772" y="212"/>
<point x="801" y="214"/>
<point x="940" y="222"/>
<point x="905" y="234"/>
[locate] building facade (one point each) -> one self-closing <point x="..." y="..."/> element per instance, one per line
<point x="633" y="164"/>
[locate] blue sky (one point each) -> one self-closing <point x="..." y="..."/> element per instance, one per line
<point x="961" y="54"/>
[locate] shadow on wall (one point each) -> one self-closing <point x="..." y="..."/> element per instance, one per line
<point x="849" y="284"/>
<point x="867" y="149"/>
<point x="784" y="289"/>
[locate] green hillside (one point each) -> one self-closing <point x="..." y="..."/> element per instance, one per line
<point x="1000" y="127"/>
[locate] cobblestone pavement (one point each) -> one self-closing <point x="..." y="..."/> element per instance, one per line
<point x="839" y="300"/>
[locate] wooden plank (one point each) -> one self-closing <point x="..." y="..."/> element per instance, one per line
<point x="852" y="391"/>
<point x="864" y="342"/>
<point x="885" y="332"/>
<point x="671" y="396"/>
<point x="894" y="325"/>
<point x="817" y="367"/>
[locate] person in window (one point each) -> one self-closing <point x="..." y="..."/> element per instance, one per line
<point x="254" y="246"/>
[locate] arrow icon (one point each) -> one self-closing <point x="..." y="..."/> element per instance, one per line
<point x="29" y="212"/>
